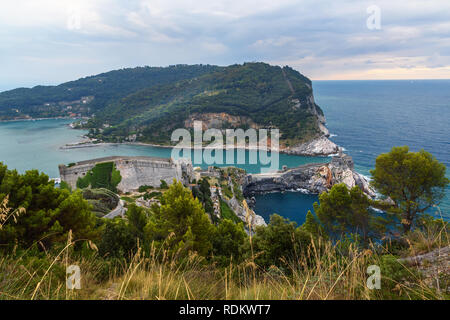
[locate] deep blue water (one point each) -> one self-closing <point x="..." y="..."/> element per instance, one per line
<point x="291" y="205"/>
<point x="369" y="118"/>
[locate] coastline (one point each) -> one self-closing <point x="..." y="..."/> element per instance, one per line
<point x="317" y="147"/>
<point x="40" y="119"/>
<point x="249" y="148"/>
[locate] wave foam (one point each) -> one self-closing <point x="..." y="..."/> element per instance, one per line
<point x="377" y="210"/>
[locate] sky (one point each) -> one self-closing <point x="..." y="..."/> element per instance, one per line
<point x="53" y="41"/>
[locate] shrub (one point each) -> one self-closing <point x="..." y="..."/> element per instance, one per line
<point x="280" y="240"/>
<point x="117" y="239"/>
<point x="103" y="175"/>
<point x="154" y="194"/>
<point x="144" y="188"/>
<point x="228" y="241"/>
<point x="164" y="185"/>
<point x="228" y="213"/>
<point x="180" y="223"/>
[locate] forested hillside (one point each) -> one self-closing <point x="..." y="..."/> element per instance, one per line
<point x="98" y="91"/>
<point x="181" y="245"/>
<point x="146" y="104"/>
<point x="239" y="96"/>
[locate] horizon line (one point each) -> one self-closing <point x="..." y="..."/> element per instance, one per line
<point x="399" y="79"/>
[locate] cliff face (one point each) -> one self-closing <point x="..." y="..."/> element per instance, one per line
<point x="312" y="178"/>
<point x="256" y="220"/>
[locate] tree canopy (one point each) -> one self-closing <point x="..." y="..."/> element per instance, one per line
<point x="344" y="211"/>
<point x="180" y="223"/>
<point x="281" y="239"/>
<point x="50" y="213"/>
<point x="414" y="181"/>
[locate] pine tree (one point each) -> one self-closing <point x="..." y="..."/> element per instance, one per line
<point x="312" y="226"/>
<point x="415" y="181"/>
<point x="180" y="222"/>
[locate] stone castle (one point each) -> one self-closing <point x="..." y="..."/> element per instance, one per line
<point x="135" y="171"/>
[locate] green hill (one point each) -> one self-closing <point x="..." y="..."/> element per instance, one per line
<point x="97" y="91"/>
<point x="239" y="96"/>
<point x="147" y="104"/>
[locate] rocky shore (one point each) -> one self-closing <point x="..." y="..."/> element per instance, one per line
<point x="321" y="146"/>
<point x="311" y="178"/>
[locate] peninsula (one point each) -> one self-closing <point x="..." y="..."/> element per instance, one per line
<point x="146" y="104"/>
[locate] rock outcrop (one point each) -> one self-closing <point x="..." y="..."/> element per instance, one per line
<point x="321" y="146"/>
<point x="434" y="267"/>
<point x="311" y="178"/>
<point x="237" y="207"/>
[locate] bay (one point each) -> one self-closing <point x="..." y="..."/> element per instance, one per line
<point x="365" y="117"/>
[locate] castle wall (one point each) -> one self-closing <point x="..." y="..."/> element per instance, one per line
<point x="71" y="174"/>
<point x="135" y="171"/>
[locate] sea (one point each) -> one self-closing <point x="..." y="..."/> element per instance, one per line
<point x="366" y="118"/>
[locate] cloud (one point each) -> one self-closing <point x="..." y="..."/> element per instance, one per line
<point x="58" y="40"/>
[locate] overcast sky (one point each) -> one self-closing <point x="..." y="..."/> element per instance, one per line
<point x="53" y="41"/>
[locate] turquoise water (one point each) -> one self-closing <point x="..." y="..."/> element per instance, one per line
<point x="368" y="118"/>
<point x="28" y="145"/>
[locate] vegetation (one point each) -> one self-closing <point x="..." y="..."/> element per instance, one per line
<point x="203" y="193"/>
<point x="174" y="251"/>
<point x="183" y="218"/>
<point x="281" y="241"/>
<point x="252" y="92"/>
<point x="163" y="185"/>
<point x="348" y="212"/>
<point x="153" y="194"/>
<point x="324" y="271"/>
<point x="144" y="188"/>
<point x="227" y="213"/>
<point x="103" y="175"/>
<point x="151" y="102"/>
<point x="46" y="214"/>
<point x="229" y="239"/>
<point x="99" y="91"/>
<point x="414" y="181"/>
<point x="228" y="193"/>
<point x="102" y="200"/>
<point x="313" y="227"/>
<point x="120" y="237"/>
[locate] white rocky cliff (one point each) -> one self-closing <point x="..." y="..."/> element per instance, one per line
<point x="320" y="146"/>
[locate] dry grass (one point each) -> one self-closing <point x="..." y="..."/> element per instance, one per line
<point x="323" y="271"/>
<point x="430" y="237"/>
